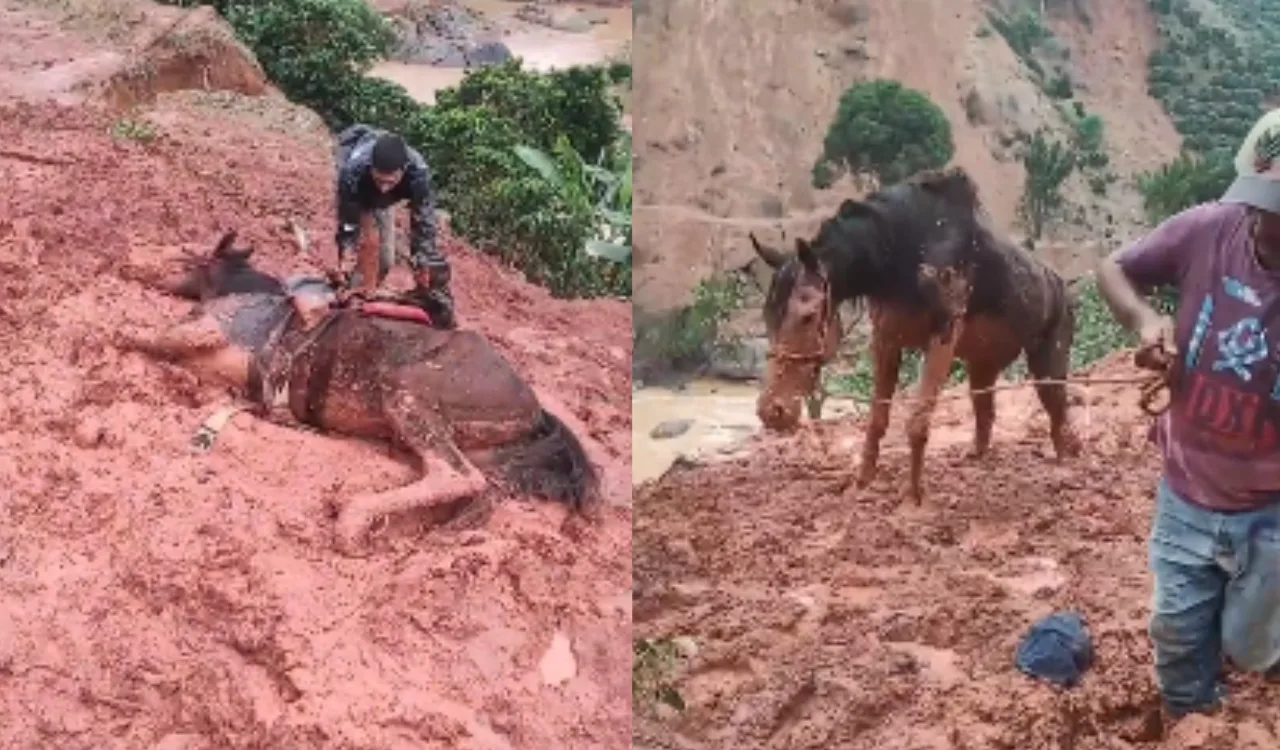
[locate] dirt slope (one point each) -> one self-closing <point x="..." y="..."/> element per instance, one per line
<point x="736" y="98"/>
<point x="158" y="598"/>
<point x="822" y="620"/>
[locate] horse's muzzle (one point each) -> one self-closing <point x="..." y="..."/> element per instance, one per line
<point x="777" y="416"/>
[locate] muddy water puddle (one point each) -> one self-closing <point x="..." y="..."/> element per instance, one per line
<point x="709" y="418"/>
<point x="541" y="47"/>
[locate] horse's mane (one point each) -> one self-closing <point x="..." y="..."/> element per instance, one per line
<point x="932" y="213"/>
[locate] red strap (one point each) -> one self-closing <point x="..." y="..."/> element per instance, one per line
<point x="396" y="311"/>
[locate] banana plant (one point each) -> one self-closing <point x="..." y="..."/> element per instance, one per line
<point x="604" y="192"/>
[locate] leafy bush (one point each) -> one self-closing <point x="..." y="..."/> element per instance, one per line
<point x="318" y="52"/>
<point x="575" y="103"/>
<point x="884" y="130"/>
<point x="1048" y="164"/>
<point x="1184" y="182"/>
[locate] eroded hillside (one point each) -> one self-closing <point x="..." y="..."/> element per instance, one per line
<point x="733" y="101"/>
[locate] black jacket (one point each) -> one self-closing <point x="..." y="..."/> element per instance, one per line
<point x="358" y="194"/>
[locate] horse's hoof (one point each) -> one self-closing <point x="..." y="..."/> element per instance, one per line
<point x="1069" y="446"/>
<point x="351" y="534"/>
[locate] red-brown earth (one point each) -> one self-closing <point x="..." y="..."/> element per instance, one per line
<point x="158" y="598"/>
<point x="811" y="618"/>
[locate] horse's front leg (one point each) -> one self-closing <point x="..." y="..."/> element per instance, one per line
<point x="445" y="474"/>
<point x="199" y="336"/>
<point x="937" y="367"/>
<point x="886" y="357"/>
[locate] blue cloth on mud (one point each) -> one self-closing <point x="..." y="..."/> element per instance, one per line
<point x="1058" y="649"/>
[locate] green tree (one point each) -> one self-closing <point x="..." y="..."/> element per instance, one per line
<point x="1089" y="133"/>
<point x="884" y="130"/>
<point x="1048" y="163"/>
<point x="1184" y="182"/>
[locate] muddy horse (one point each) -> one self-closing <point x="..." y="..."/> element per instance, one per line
<point x="447" y="397"/>
<point x="936" y="278"/>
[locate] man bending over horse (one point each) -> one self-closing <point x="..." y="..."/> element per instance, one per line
<point x="1215" y="541"/>
<point x="377" y="170"/>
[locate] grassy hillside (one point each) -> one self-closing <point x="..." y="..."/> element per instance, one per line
<point x="1218" y="67"/>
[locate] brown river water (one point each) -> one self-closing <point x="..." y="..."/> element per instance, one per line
<point x="542" y="48"/>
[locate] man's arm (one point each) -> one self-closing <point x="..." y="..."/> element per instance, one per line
<point x="1161" y="258"/>
<point x="424" y="253"/>
<point x="349" y="211"/>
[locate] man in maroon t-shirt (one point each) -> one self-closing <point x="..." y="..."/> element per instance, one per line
<point x="1215" y="540"/>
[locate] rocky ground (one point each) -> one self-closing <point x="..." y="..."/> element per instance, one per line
<point x="452" y="34"/>
<point x="806" y="617"/>
<point x="161" y="599"/>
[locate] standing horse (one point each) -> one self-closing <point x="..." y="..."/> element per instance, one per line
<point x="937" y="279"/>
<point x="446" y="396"/>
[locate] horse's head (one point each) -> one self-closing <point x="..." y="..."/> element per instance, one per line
<point x="225" y="271"/>
<point x="803" y="327"/>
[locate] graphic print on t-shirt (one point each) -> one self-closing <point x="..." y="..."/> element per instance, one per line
<point x="1233" y="385"/>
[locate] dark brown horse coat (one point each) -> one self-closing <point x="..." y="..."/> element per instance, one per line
<point x="446" y="397"/>
<point x="938" y="279"/>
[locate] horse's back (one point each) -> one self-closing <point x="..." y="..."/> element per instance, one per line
<point x="465" y="373"/>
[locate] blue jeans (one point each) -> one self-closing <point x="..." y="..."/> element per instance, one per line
<point x="1217" y="591"/>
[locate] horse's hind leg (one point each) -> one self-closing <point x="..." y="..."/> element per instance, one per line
<point x="446" y="475"/>
<point x="982" y="378"/>
<point x="886" y="358"/>
<point x="1050" y="360"/>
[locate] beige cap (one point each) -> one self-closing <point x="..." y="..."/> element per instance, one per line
<point x="1257" y="165"/>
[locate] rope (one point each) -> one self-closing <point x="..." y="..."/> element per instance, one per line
<point x="1152" y="385"/>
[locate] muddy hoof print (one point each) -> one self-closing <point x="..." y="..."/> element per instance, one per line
<point x="202" y="441"/>
<point x="472" y="515"/>
<point x="352" y="535"/>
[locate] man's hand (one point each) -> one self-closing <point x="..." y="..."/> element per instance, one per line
<point x="422" y="278"/>
<point x="340" y="275"/>
<point x="1156" y="347"/>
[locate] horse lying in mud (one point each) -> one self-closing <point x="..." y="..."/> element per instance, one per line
<point x="447" y="397"/>
<point x="937" y="279"/>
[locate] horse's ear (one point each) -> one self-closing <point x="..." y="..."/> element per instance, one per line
<point x="769" y="255"/>
<point x="804" y="251"/>
<point x="224" y="244"/>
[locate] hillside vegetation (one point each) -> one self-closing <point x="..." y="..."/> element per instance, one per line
<point x="535" y="167"/>
<point x="1083" y="170"/>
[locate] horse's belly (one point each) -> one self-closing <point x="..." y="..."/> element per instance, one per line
<point x="350" y="411"/>
<point x="986" y="339"/>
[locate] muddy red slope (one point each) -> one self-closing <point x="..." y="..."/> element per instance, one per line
<point x="159" y="598"/>
<point x="826" y="620"/>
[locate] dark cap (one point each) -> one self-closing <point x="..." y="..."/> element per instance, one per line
<point x="389" y="153"/>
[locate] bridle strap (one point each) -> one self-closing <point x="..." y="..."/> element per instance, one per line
<point x="783" y="354"/>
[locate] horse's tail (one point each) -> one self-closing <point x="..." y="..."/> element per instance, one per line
<point x="550" y="463"/>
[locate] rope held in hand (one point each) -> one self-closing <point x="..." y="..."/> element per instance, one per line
<point x="1154" y="359"/>
<point x="1152" y="386"/>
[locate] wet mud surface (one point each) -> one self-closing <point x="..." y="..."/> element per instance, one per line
<point x="814" y="618"/>
<point x="160" y="598"/>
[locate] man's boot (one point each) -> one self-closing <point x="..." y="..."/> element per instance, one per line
<point x="432" y="295"/>
<point x="438" y="302"/>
